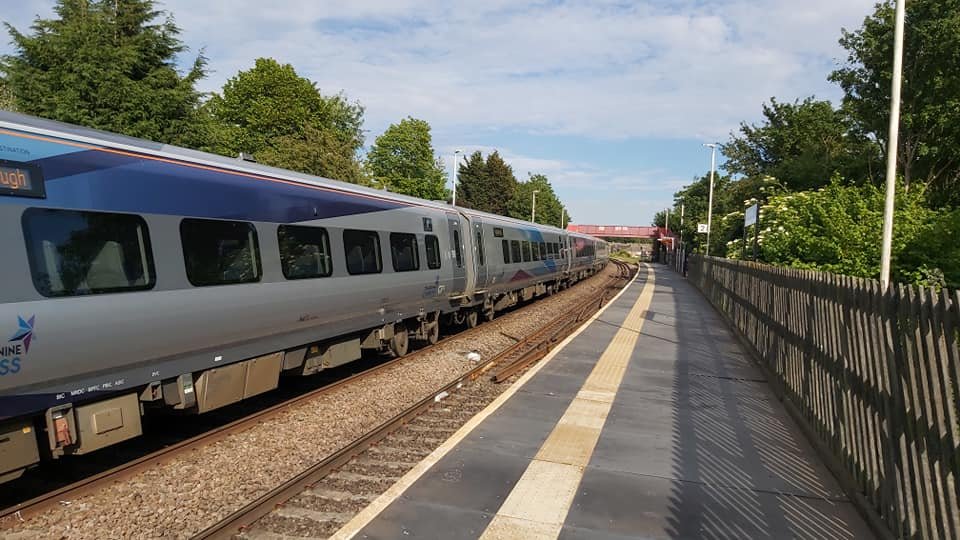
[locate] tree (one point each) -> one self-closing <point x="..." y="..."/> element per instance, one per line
<point x="549" y="207"/>
<point x="695" y="199"/>
<point x="472" y="183"/>
<point x="803" y="144"/>
<point x="930" y="115"/>
<point x="489" y="189"/>
<point x="106" y="64"/>
<point x="837" y="229"/>
<point x="6" y="97"/>
<point x="283" y="120"/>
<point x="402" y="159"/>
<point x="932" y="256"/>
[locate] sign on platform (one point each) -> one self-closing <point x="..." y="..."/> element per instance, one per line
<point x="750" y="216"/>
<point x="702" y="228"/>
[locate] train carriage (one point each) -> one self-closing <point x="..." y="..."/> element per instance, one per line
<point x="143" y="277"/>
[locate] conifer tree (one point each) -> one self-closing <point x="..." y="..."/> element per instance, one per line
<point x="106" y="64"/>
<point x="471" y="183"/>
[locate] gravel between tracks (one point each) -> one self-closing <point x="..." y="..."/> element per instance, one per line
<point x="191" y="492"/>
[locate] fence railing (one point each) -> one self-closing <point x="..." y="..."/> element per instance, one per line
<point x="874" y="374"/>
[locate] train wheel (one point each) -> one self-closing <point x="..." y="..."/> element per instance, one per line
<point x="473" y="319"/>
<point x="400" y="342"/>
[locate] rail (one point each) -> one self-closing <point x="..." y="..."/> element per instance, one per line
<point x="527" y="351"/>
<point x="126" y="470"/>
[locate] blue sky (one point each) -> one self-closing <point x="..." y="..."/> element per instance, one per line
<point x="611" y="99"/>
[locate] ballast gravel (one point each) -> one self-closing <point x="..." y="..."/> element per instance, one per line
<point x="191" y="492"/>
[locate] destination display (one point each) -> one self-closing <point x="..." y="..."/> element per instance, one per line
<point x="20" y="180"/>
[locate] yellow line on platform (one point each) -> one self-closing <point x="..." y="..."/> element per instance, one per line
<point x="368" y="514"/>
<point x="538" y="505"/>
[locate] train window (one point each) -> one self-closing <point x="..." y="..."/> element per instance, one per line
<point x="535" y="249"/>
<point x="75" y="253"/>
<point x="219" y="252"/>
<point x="404" y="251"/>
<point x="556" y="248"/>
<point x="526" y="251"/>
<point x="515" y="251"/>
<point x="506" y="251"/>
<point x="543" y="250"/>
<point x="363" y="252"/>
<point x="304" y="252"/>
<point x="433" y="252"/>
<point x="456" y="248"/>
<point x="480" y="248"/>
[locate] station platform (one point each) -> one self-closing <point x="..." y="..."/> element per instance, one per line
<point x="650" y="422"/>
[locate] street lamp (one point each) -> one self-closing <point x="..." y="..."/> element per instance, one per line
<point x="892" y="143"/>
<point x="456" y="166"/>
<point x="713" y="167"/>
<point x="533" y="211"/>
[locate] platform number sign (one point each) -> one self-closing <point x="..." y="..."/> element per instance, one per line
<point x="702" y="228"/>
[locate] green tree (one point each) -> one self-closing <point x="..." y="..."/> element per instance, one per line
<point x="932" y="256"/>
<point x="472" y="183"/>
<point x="695" y="198"/>
<point x="549" y="207"/>
<point x="283" y="120"/>
<point x="803" y="144"/>
<point x="6" y="97"/>
<point x="106" y="64"/>
<point x="489" y="189"/>
<point x="930" y="111"/>
<point x="837" y="229"/>
<point x="403" y="160"/>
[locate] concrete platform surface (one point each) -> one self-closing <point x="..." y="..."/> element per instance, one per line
<point x="651" y="423"/>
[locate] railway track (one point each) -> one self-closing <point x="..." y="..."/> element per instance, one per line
<point x="526" y="350"/>
<point x="324" y="497"/>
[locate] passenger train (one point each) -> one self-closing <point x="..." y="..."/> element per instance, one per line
<point x="142" y="277"/>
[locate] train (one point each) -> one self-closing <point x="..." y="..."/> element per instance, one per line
<point x="145" y="278"/>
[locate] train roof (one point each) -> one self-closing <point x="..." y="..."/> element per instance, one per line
<point x="122" y="142"/>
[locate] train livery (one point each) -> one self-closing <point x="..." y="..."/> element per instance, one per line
<point x="142" y="276"/>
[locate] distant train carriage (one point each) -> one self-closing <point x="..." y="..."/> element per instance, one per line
<point x="141" y="276"/>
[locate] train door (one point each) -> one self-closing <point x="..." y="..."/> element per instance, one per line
<point x="479" y="256"/>
<point x="565" y="253"/>
<point x="457" y="255"/>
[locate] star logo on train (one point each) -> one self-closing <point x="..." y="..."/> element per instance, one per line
<point x="24" y="332"/>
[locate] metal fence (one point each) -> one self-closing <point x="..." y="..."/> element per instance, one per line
<point x="874" y="375"/>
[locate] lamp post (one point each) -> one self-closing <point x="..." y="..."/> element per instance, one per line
<point x="713" y="167"/>
<point x="533" y="210"/>
<point x="892" y="143"/>
<point x="456" y="167"/>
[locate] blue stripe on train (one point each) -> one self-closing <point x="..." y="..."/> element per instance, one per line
<point x="92" y="179"/>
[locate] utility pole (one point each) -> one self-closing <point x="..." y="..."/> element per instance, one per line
<point x="713" y="167"/>
<point x="892" y="143"/>
<point x="563" y="218"/>
<point x="533" y="210"/>
<point x="456" y="171"/>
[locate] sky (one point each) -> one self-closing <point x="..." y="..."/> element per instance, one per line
<point x="611" y="99"/>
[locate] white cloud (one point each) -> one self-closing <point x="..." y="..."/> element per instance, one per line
<point x="608" y="69"/>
